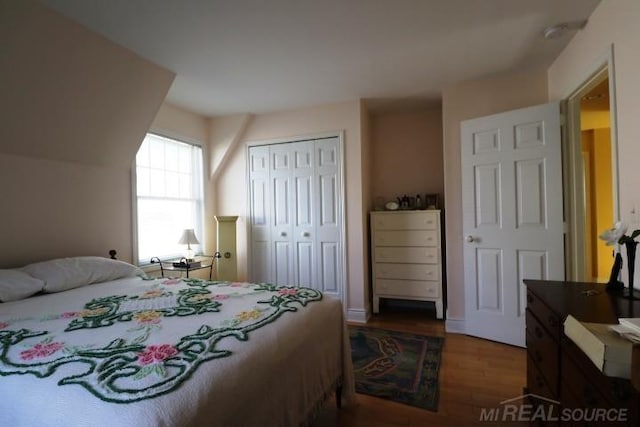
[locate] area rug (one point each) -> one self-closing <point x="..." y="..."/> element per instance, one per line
<point x="396" y="366"/>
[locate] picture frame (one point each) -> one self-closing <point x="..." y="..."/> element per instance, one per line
<point x="431" y="201"/>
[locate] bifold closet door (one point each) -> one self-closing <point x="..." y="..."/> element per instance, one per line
<point x="260" y="214"/>
<point x="328" y="227"/>
<point x="281" y="167"/>
<point x="296" y="214"/>
<point x="303" y="206"/>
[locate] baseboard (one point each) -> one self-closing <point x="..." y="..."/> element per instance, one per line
<point x="455" y="326"/>
<point x="357" y="315"/>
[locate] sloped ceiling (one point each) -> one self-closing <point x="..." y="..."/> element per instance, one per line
<point x="70" y="94"/>
<point x="256" y="56"/>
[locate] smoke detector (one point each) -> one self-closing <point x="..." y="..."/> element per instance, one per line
<point x="561" y="29"/>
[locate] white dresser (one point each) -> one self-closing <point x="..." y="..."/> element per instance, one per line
<point x="406" y="257"/>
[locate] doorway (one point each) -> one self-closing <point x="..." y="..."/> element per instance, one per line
<point x="591" y="182"/>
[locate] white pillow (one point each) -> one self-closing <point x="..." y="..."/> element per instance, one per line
<point x="16" y="285"/>
<point x="68" y="273"/>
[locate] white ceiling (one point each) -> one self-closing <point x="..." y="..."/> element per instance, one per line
<point x="256" y="56"/>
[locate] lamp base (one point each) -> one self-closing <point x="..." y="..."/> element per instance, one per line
<point x="630" y="294"/>
<point x="615" y="286"/>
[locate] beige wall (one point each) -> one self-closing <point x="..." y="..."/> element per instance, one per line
<point x="463" y="101"/>
<point x="614" y="22"/>
<point x="177" y="122"/>
<point x="68" y="93"/>
<point x="407" y="154"/>
<point x="54" y="209"/>
<point x="231" y="195"/>
<point x="73" y="111"/>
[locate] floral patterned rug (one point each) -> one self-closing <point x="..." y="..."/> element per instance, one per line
<point x="397" y="366"/>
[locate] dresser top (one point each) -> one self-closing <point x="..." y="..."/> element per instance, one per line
<point x="587" y="302"/>
<point x="405" y="211"/>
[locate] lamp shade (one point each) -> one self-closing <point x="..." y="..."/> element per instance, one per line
<point x="188" y="238"/>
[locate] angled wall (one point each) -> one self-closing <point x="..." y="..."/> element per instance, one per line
<point x="73" y="111"/>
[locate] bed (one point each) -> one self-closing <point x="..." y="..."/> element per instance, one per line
<point x="138" y="351"/>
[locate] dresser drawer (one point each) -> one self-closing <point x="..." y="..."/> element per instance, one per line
<point x="543" y="350"/>
<point x="407" y="288"/>
<point x="406" y="221"/>
<point x="546" y="317"/>
<point x="585" y="381"/>
<point x="574" y="382"/>
<point x="536" y="382"/>
<point x="406" y="238"/>
<point x="408" y="271"/>
<point x="539" y="394"/>
<point x="407" y="255"/>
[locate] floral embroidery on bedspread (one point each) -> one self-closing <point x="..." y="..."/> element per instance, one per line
<point x="115" y="345"/>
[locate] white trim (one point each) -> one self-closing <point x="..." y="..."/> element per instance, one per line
<point x="344" y="292"/>
<point x="298" y="138"/>
<point x="134" y="211"/>
<point x="357" y="315"/>
<point x="247" y="212"/>
<point x="166" y="133"/>
<point x="603" y="66"/>
<point x="176" y="137"/>
<point x="455" y="326"/>
<point x="344" y="288"/>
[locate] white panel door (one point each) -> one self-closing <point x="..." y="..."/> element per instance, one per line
<point x="260" y="214"/>
<point x="296" y="207"/>
<point x="328" y="234"/>
<point x="303" y="206"/>
<point x="512" y="216"/>
<point x="281" y="162"/>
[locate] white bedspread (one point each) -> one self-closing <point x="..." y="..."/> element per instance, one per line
<point x="171" y="353"/>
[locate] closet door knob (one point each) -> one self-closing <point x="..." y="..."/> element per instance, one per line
<point x="306" y="234"/>
<point x="283" y="233"/>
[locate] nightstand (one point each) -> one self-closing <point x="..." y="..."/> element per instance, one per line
<point x="200" y="262"/>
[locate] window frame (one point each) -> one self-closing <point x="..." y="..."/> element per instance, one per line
<point x="134" y="195"/>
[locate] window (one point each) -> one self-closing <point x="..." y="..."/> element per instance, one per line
<point x="169" y="181"/>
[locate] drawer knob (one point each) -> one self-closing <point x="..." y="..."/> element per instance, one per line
<point x="529" y="299"/>
<point x="589" y="399"/>
<point x="553" y="322"/>
<point x="620" y="391"/>
<point x="537" y="356"/>
<point x="538" y="332"/>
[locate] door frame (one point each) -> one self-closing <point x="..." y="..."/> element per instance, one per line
<point x="572" y="162"/>
<point x="344" y="289"/>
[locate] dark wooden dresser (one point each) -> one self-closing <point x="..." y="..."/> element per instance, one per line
<point x="559" y="371"/>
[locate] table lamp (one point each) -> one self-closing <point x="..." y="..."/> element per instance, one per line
<point x="189" y="238"/>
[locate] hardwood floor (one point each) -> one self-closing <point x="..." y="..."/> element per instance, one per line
<point x="474" y="374"/>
